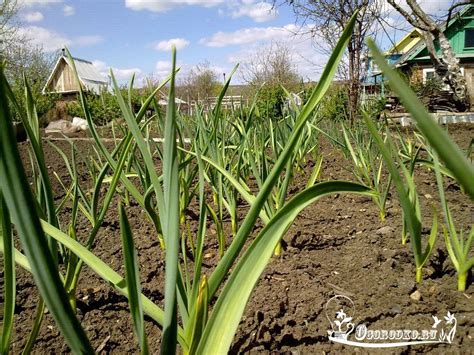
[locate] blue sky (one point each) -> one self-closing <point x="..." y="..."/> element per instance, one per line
<point x="135" y="35"/>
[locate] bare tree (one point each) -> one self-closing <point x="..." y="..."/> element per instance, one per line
<point x="272" y="65"/>
<point x="267" y="71"/>
<point x="8" y="29"/>
<point x="18" y="52"/>
<point x="200" y="83"/>
<point x="30" y="60"/>
<point x="446" y="65"/>
<point x="327" y="19"/>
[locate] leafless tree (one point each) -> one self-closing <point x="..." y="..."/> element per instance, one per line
<point x="327" y="19"/>
<point x="446" y="64"/>
<point x="200" y="83"/>
<point x="30" y="60"/>
<point x="8" y="28"/>
<point x="272" y="65"/>
<point x="18" y="52"/>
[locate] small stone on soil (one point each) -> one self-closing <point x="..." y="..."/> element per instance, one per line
<point x="385" y="230"/>
<point x="396" y="309"/>
<point x="416" y="296"/>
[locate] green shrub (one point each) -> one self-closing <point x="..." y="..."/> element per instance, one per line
<point x="104" y="108"/>
<point x="270" y="103"/>
<point x="374" y="106"/>
<point x="44" y="103"/>
<point x="335" y="104"/>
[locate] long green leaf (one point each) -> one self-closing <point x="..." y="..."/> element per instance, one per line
<point x="132" y="278"/>
<point x="409" y="212"/>
<point x="171" y="217"/>
<point x="107" y="274"/>
<point x="9" y="282"/>
<point x="18" y="197"/>
<point x="231" y="303"/>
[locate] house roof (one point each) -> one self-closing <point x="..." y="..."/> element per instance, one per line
<point x="421" y="45"/>
<point x="87" y="71"/>
<point x="89" y="76"/>
<point x="406" y="43"/>
<point x="403" y="60"/>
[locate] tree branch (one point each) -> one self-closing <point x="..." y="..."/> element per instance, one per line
<point x="451" y="9"/>
<point x="412" y="20"/>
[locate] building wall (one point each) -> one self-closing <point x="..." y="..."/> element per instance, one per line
<point x="456" y="36"/>
<point x="415" y="75"/>
<point x="469" y="75"/>
<point x="63" y="80"/>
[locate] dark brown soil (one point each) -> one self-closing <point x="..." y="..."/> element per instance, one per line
<point x="335" y="247"/>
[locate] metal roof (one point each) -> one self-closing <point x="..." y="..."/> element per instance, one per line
<point x="87" y="71"/>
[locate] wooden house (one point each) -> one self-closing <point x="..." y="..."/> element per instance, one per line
<point x="373" y="81"/>
<point x="417" y="64"/>
<point x="63" y="81"/>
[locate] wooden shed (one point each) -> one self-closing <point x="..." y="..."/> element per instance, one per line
<point x="63" y="81"/>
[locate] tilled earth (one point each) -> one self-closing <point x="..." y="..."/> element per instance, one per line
<point x="337" y="246"/>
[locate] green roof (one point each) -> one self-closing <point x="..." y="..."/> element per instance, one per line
<point x="455" y="33"/>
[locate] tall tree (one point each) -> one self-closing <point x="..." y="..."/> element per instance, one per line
<point x="8" y="30"/>
<point x="272" y="65"/>
<point x="24" y="58"/>
<point x="326" y="20"/>
<point x="201" y="83"/>
<point x="446" y="64"/>
<point x="267" y="72"/>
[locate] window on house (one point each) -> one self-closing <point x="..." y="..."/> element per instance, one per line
<point x="429" y="75"/>
<point x="469" y="38"/>
<point x="374" y="67"/>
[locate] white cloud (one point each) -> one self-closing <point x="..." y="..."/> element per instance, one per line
<point x="30" y="3"/>
<point x="51" y="40"/>
<point x="121" y="74"/>
<point x="166" y="45"/>
<point x="433" y="7"/>
<point x="162" y="68"/>
<point x="259" y="12"/>
<point x="250" y="35"/>
<point x="126" y="73"/>
<point x="42" y="37"/>
<point x="100" y="65"/>
<point x="307" y="62"/>
<point x="165" y="5"/>
<point x="249" y="42"/>
<point x="69" y="10"/>
<point x="35" y="16"/>
<point x="88" y="40"/>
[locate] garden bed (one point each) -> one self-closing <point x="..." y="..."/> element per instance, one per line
<point x="337" y="246"/>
